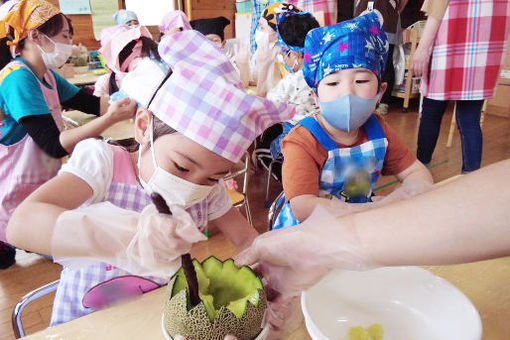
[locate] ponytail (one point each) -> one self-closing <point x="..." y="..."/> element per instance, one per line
<point x="5" y="50"/>
<point x="5" y="53"/>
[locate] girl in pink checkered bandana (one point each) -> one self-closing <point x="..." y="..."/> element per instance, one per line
<point x="194" y="123"/>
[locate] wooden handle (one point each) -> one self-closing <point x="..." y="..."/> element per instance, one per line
<point x="187" y="263"/>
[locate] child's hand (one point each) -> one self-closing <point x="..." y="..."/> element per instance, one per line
<point x="161" y="239"/>
<point x="266" y="55"/>
<point x="121" y="110"/>
<point x="242" y="53"/>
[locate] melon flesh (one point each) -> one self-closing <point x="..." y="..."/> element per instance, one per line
<point x="232" y="302"/>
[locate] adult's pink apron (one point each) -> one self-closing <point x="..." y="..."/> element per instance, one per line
<point x="24" y="166"/>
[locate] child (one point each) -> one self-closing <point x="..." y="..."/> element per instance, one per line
<point x="174" y="21"/>
<point x="193" y="127"/>
<point x="213" y="29"/>
<point x="263" y="67"/>
<point x="292" y="89"/>
<point x="35" y="38"/>
<point x="337" y="156"/>
<point x="122" y="47"/>
<point x="125" y="17"/>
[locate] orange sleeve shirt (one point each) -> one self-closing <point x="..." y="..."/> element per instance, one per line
<point x="304" y="158"/>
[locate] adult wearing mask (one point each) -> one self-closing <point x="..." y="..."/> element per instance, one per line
<point x="35" y="38"/>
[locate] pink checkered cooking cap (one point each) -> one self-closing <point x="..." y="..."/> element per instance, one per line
<point x="204" y="98"/>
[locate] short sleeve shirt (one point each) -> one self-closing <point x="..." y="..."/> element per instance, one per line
<point x="305" y="156"/>
<point x="92" y="161"/>
<point x="21" y="96"/>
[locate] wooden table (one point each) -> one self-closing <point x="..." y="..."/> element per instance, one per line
<point x="82" y="79"/>
<point x="486" y="283"/>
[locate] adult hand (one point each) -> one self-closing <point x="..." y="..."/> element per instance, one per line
<point x="421" y="60"/>
<point x="295" y="258"/>
<point x="121" y="110"/>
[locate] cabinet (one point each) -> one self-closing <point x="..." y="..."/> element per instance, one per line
<point x="410" y="36"/>
<point x="199" y="9"/>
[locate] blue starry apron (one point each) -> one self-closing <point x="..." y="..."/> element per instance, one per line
<point x="349" y="174"/>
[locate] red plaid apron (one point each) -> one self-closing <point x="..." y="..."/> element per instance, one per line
<point x="328" y="7"/>
<point x="468" y="51"/>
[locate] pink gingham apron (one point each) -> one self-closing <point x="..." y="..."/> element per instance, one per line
<point x="124" y="192"/>
<point x="24" y="166"/>
<point x="468" y="51"/>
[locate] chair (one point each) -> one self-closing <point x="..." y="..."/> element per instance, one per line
<point x="274" y="210"/>
<point x="259" y="155"/>
<point x="17" y="325"/>
<point x="240" y="199"/>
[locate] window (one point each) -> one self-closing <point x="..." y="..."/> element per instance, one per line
<point x="150" y="12"/>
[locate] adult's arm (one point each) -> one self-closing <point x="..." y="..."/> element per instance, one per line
<point x="463" y="221"/>
<point x="421" y="58"/>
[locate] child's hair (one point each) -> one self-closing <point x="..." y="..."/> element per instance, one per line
<point x="149" y="49"/>
<point x="160" y="129"/>
<point x="294" y="27"/>
<point x="50" y="28"/>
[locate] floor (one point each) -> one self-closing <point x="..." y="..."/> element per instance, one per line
<point x="32" y="271"/>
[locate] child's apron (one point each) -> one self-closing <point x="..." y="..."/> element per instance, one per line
<point x="78" y="288"/>
<point x="24" y="166"/>
<point x="349" y="174"/>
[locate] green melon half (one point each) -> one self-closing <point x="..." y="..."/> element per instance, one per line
<point x="233" y="302"/>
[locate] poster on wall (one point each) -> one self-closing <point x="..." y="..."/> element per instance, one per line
<point x="102" y="15"/>
<point x="74" y="6"/>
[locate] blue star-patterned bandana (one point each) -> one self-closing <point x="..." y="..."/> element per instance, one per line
<point x="283" y="45"/>
<point x="359" y="42"/>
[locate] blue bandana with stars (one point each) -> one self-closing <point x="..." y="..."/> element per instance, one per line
<point x="359" y="42"/>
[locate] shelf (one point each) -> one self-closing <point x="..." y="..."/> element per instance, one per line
<point x="405" y="95"/>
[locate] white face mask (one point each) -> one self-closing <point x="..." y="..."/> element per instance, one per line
<point x="59" y="56"/>
<point x="175" y="190"/>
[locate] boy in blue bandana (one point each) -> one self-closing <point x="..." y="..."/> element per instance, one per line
<point x="336" y="157"/>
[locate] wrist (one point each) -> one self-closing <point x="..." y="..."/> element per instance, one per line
<point x="108" y="118"/>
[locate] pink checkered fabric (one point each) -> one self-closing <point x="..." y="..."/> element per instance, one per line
<point x="204" y="99"/>
<point x="174" y="19"/>
<point x="466" y="62"/>
<point x="115" y="38"/>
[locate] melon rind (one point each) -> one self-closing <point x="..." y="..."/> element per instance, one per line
<point x="195" y="323"/>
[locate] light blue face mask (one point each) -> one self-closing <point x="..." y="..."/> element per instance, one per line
<point x="348" y="112"/>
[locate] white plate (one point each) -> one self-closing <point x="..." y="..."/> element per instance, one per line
<point x="409" y="303"/>
<point x="262" y="335"/>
